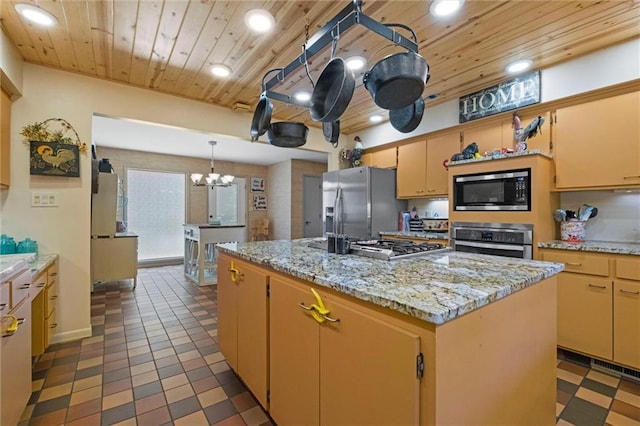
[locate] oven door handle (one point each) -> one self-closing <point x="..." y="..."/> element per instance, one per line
<point x="490" y="245"/>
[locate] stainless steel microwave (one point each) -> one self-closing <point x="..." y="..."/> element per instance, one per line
<point x="508" y="190"/>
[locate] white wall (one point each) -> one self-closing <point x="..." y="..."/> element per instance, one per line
<point x="10" y="65"/>
<point x="604" y="68"/>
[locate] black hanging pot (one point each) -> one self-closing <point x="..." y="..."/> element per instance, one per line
<point x="261" y="117"/>
<point x="406" y="119"/>
<point x="287" y="134"/>
<point x="331" y="131"/>
<point x="397" y="80"/>
<point x="333" y="91"/>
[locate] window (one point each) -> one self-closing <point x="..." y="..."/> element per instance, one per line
<point x="156" y="212"/>
<point x="227" y="203"/>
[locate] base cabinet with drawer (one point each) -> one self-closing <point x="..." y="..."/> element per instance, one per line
<point x="44" y="309"/>
<point x="15" y="362"/>
<point x="599" y="304"/>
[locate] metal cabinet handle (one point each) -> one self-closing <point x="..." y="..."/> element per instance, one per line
<point x="54" y="297"/>
<point x="573" y="264"/>
<point x="2" y="306"/>
<point x="54" y="274"/>
<point x="235" y="273"/>
<point x="13" y="328"/>
<point x="54" y="325"/>
<point x="306" y="308"/>
<point x="331" y="319"/>
<point x="622" y="290"/>
<point x="598" y="286"/>
<point x="631" y="177"/>
<point x="24" y="287"/>
<point x="40" y="285"/>
<point x="431" y="190"/>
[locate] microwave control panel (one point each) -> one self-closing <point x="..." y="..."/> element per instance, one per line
<point x="521" y="189"/>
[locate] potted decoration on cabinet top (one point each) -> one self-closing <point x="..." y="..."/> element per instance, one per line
<point x="53" y="152"/>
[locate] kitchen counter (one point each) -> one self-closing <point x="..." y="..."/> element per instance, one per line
<point x="594" y="246"/>
<point x="9" y="263"/>
<point x="436" y="288"/>
<point x="425" y="235"/>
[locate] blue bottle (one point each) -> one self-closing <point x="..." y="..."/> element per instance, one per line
<point x="7" y="244"/>
<point x="28" y="246"/>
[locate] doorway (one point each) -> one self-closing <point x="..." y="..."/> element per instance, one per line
<point x="312" y="206"/>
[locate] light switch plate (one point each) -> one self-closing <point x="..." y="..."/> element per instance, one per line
<point x="44" y="199"/>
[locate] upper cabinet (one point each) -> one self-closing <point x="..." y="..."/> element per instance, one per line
<point x="541" y="141"/>
<point x="596" y="144"/>
<point x="487" y="136"/>
<point x="412" y="171"/>
<point x="384" y="159"/>
<point x="439" y="149"/>
<point x="5" y="136"/>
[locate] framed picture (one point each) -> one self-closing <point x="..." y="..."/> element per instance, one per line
<point x="259" y="202"/>
<point x="54" y="159"/>
<point x="257" y="184"/>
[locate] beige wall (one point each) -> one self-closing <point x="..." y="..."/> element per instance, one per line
<point x="121" y="159"/>
<point x="279" y="200"/>
<point x="10" y="66"/>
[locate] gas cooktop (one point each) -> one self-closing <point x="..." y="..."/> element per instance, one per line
<point x="390" y="249"/>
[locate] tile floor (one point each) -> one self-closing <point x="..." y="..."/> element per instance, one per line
<point x="153" y="360"/>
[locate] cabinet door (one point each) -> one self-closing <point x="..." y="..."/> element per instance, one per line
<point x="384" y="159"/>
<point x="626" y="323"/>
<point x="411" y="174"/>
<point x="541" y="141"/>
<point x="440" y="148"/>
<point x="252" y="330"/>
<point x="15" y="367"/>
<point x="5" y="138"/>
<point x="487" y="136"/>
<point x="585" y="314"/>
<point x="51" y="324"/>
<point x="596" y="143"/>
<point x="227" y="313"/>
<point x="294" y="355"/>
<point x="377" y="359"/>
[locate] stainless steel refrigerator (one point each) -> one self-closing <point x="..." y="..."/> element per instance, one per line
<point x="360" y="202"/>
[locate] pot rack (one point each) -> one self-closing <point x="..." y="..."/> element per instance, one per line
<point x="348" y="17"/>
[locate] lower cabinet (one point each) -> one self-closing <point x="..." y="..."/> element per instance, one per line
<point x="599" y="305"/>
<point x="243" y="322"/>
<point x="43" y="309"/>
<point x="313" y="356"/>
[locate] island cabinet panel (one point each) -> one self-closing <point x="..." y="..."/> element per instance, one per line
<point x="243" y="322"/>
<point x="439" y="149"/>
<point x="294" y="359"/>
<point x="596" y="143"/>
<point x="356" y="369"/>
<point x="411" y="174"/>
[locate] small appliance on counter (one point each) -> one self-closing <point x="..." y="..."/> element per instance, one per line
<point x="436" y="224"/>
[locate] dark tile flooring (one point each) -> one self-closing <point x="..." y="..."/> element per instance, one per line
<point x="153" y="359"/>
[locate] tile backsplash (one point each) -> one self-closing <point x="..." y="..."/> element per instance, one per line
<point x="618" y="216"/>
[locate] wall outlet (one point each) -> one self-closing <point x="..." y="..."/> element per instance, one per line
<point x="44" y="199"/>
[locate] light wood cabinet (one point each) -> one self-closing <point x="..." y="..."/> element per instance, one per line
<point x="384" y="159"/>
<point x="488" y="136"/>
<point x="411" y="175"/>
<point x="439" y="149"/>
<point x="599" y="304"/>
<point x="541" y="141"/>
<point x="5" y="139"/>
<point x="243" y="322"/>
<point x="311" y="362"/>
<point x="43" y="309"/>
<point x="596" y="143"/>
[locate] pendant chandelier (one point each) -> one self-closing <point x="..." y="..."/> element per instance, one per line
<point x="213" y="178"/>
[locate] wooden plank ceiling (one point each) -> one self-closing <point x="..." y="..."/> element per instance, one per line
<point x="169" y="46"/>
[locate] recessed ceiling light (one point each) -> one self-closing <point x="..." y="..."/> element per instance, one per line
<point x="36" y="14"/>
<point x="376" y="118"/>
<point x="259" y="20"/>
<point x="356" y="63"/>
<point x="445" y="7"/>
<point x="302" y="96"/>
<point x="518" y="66"/>
<point x="220" y="70"/>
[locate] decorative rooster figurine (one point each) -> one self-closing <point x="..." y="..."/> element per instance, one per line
<point x="534" y="127"/>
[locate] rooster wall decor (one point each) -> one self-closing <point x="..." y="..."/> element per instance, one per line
<point x="52" y="152"/>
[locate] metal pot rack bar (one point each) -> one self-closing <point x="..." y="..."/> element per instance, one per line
<point x="345" y="19"/>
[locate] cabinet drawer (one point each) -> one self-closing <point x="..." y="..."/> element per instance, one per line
<point x="40" y="282"/>
<point x="51" y="294"/>
<point x="579" y="262"/>
<point x="5" y="301"/>
<point x="50" y="325"/>
<point x="20" y="286"/>
<point x="628" y="268"/>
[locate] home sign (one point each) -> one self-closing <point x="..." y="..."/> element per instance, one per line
<point x="513" y="94"/>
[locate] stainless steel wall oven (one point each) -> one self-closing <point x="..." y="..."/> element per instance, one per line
<point x="499" y="239"/>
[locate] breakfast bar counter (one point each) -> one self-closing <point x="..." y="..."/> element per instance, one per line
<point x="322" y="338"/>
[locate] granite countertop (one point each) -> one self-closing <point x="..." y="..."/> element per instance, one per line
<point x="426" y="235"/>
<point x="594" y="246"/>
<point x="436" y="288"/>
<point x="500" y="157"/>
<point x="10" y="263"/>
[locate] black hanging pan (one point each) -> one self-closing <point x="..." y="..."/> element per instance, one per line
<point x="331" y="131"/>
<point x="287" y="134"/>
<point x="398" y="80"/>
<point x="333" y="90"/>
<point x="262" y="114"/>
<point x="406" y="119"/>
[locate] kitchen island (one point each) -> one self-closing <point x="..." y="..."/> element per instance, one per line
<point x="450" y="338"/>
